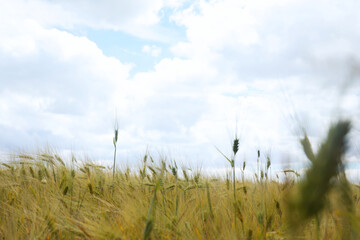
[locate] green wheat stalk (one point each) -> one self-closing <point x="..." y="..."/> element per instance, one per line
<point x="115" y="139"/>
<point x="318" y="181"/>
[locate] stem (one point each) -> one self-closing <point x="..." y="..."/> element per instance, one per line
<point x="114" y="163"/>
<point x="234" y="181"/>
<point x="258" y="169"/>
<point x="234" y="189"/>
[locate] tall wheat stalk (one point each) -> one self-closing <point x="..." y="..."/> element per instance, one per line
<point x="235" y="149"/>
<point x="323" y="174"/>
<point x="115" y="139"/>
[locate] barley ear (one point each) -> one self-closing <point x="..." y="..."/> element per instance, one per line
<point x="307" y="148"/>
<point x="312" y="191"/>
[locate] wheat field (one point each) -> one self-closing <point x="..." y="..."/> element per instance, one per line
<point x="44" y="196"/>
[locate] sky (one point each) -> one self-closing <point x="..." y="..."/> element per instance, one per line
<point x="180" y="77"/>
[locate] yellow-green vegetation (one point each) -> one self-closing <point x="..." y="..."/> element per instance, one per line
<point x="43" y="196"/>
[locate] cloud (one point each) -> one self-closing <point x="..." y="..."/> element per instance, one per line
<point x="56" y="87"/>
<point x="265" y="66"/>
<point x="153" y="50"/>
<point x="269" y="38"/>
<point x="276" y="66"/>
<point x="138" y="17"/>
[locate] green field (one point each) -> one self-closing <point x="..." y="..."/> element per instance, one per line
<point x="43" y="196"/>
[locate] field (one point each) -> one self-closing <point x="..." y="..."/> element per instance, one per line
<point x="43" y="196"/>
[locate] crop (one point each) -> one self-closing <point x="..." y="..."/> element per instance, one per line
<point x="46" y="196"/>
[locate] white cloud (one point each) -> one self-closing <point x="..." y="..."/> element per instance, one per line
<point x="265" y="64"/>
<point x="137" y="17"/>
<point x="269" y="37"/>
<point x="153" y="50"/>
<point x="56" y="88"/>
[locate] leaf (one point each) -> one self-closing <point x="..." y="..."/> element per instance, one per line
<point x="224" y="155"/>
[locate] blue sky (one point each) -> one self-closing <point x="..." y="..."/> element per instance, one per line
<point x="127" y="48"/>
<point x="130" y="49"/>
<point x="179" y="76"/>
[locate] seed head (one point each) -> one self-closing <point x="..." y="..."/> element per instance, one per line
<point x="236" y="145"/>
<point x="268" y="162"/>
<point x="116" y="135"/>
